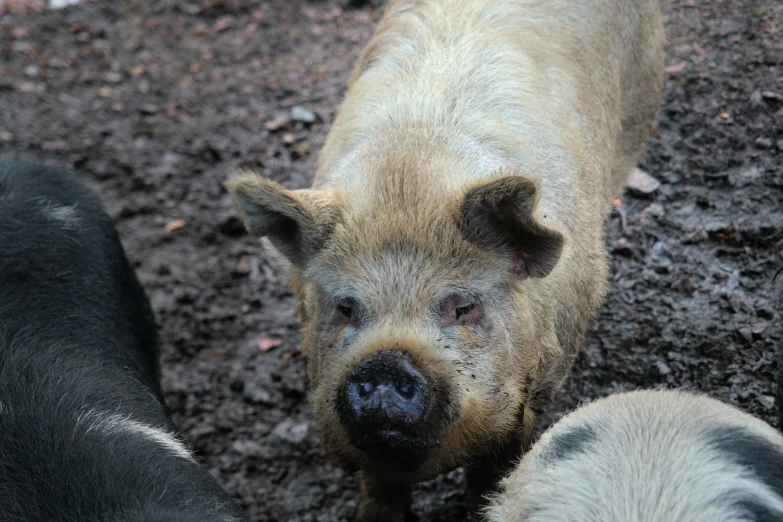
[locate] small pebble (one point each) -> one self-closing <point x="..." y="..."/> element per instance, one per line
<point x="641" y="184"/>
<point x="299" y="113"/>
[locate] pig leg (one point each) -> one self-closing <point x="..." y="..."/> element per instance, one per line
<point x="384" y="502"/>
<point x="483" y="476"/>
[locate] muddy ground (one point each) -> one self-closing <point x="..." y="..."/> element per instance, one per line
<point x="155" y="102"/>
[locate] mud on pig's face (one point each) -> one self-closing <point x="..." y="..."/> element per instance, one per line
<point x="418" y="329"/>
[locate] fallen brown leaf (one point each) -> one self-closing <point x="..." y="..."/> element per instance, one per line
<point x="267" y="343"/>
<point x="674" y="69"/>
<point x="224" y="22"/>
<point x="277" y="123"/>
<point x="174" y="225"/>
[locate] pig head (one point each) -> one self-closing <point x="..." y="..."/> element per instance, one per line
<point x="427" y="316"/>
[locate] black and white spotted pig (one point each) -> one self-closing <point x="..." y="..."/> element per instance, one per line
<point x="84" y="435"/>
<point x="649" y="456"/>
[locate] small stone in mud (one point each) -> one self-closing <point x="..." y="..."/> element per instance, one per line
<point x="696" y="236"/>
<point x="746" y="176"/>
<point x="758" y="328"/>
<point x="641" y="184"/>
<point x="149" y="109"/>
<point x="248" y="448"/>
<point x="303" y="114"/>
<point x="767" y="401"/>
<point x="763" y="143"/>
<point x="663" y="368"/>
<point x="256" y="394"/>
<point x="655" y="210"/>
<point x="277" y="123"/>
<point x="293" y="432"/>
<point x="685" y="286"/>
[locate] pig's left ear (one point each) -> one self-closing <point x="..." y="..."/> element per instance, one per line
<point x="500" y="216"/>
<point x="297" y="222"/>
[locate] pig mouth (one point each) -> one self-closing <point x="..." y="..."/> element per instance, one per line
<point x="394" y="449"/>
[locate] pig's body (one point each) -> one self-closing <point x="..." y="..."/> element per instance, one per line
<point x="649" y="456"/>
<point x="455" y="225"/>
<point x="84" y="433"/>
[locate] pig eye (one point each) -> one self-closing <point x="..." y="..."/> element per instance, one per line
<point x="346" y="309"/>
<point x="462" y="310"/>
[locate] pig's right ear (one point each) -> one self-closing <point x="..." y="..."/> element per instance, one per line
<point x="501" y="216"/>
<point x="297" y="222"/>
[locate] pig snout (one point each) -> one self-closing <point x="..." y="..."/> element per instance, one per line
<point x="386" y="392"/>
<point x="387" y="407"/>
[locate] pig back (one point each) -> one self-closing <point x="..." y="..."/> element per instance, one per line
<point x="565" y="91"/>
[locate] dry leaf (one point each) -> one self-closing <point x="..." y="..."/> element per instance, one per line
<point x="174" y="225"/>
<point x="224" y="22"/>
<point x="277" y="123"/>
<point x="674" y="69"/>
<point x="267" y="343"/>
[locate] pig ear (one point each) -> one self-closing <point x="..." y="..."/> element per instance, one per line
<point x="500" y="216"/>
<point x="297" y="222"/>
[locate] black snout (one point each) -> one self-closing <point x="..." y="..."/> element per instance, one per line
<point x="386" y="392"/>
<point x="393" y="410"/>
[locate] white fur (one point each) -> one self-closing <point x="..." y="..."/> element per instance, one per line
<point x="650" y="461"/>
<point x="110" y="424"/>
<point x="68" y="216"/>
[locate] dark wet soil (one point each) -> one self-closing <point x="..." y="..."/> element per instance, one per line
<point x="155" y="102"/>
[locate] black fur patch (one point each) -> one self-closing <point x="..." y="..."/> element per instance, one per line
<point x="760" y="512"/>
<point x="758" y="456"/>
<point x="77" y="335"/>
<point x="565" y="445"/>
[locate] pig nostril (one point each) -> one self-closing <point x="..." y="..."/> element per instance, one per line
<point x="385" y="391"/>
<point x="367" y="387"/>
<point x="405" y="388"/>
